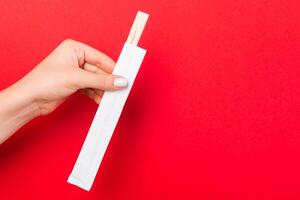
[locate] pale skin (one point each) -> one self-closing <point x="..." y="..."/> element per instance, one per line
<point x="72" y="66"/>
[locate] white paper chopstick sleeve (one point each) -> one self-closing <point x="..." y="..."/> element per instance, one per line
<point x="105" y="120"/>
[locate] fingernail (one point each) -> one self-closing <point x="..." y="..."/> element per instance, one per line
<point x="120" y="82"/>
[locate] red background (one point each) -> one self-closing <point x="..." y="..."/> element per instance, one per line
<point x="214" y="112"/>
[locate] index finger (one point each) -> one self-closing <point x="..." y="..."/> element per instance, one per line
<point x="95" y="57"/>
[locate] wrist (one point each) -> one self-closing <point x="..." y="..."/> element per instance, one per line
<point x="21" y="99"/>
<point x="17" y="108"/>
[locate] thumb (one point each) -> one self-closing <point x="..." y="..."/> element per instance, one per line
<point x="85" y="79"/>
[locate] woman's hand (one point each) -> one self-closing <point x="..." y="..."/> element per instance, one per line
<point x="70" y="67"/>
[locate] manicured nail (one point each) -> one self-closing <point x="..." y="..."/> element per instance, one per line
<point x="120" y="82"/>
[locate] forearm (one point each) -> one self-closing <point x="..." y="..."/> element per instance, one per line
<point x="16" y="109"/>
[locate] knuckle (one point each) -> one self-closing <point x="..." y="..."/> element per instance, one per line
<point x="68" y="42"/>
<point x="107" y="82"/>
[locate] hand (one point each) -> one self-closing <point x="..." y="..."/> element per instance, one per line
<point x="70" y="67"/>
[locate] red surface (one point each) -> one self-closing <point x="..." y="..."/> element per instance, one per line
<point x="214" y="112"/>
